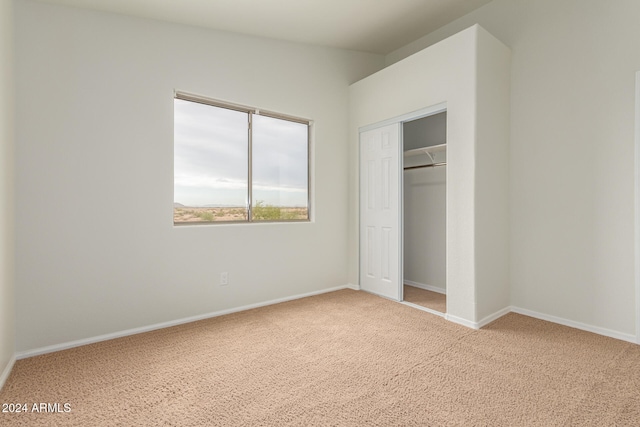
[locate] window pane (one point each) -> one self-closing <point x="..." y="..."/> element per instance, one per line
<point x="280" y="169"/>
<point x="210" y="163"/>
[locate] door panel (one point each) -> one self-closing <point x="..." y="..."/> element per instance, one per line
<point x="380" y="167"/>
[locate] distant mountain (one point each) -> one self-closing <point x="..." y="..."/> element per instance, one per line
<point x="180" y="205"/>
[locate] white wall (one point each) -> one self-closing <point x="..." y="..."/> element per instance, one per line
<point x="425" y="225"/>
<point x="425" y="198"/>
<point x="448" y="72"/>
<point x="571" y="157"/>
<point x="96" y="249"/>
<point x="7" y="246"/>
<point x="492" y="177"/>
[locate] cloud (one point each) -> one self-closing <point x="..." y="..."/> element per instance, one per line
<point x="211" y="156"/>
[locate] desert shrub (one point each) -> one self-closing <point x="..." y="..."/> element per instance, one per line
<point x="264" y="212"/>
<point x="205" y="216"/>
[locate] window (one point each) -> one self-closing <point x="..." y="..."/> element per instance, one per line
<point x="237" y="164"/>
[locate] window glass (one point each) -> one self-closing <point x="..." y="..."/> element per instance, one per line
<point x="280" y="177"/>
<point x="233" y="164"/>
<point x="210" y="163"/>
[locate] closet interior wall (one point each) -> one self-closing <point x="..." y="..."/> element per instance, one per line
<point x="425" y="205"/>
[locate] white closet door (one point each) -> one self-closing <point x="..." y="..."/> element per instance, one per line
<point x="380" y="166"/>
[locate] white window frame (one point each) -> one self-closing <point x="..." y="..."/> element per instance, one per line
<point x="253" y="111"/>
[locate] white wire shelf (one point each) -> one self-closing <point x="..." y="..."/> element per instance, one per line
<point x="426" y="150"/>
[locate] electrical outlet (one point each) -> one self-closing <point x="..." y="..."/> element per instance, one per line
<point x="224" y="279"/>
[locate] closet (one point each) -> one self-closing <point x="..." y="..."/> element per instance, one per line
<point x="468" y="76"/>
<point x="424" y="210"/>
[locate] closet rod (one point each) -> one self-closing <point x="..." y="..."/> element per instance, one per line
<point x="432" y="165"/>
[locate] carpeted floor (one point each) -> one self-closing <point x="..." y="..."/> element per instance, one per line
<point x="433" y="300"/>
<point x="345" y="358"/>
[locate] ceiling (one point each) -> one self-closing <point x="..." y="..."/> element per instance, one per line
<point x="377" y="26"/>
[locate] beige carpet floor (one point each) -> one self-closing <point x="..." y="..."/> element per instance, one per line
<point x="345" y="358"/>
<point x="433" y="300"/>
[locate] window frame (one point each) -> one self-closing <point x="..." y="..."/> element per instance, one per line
<point x="250" y="111"/>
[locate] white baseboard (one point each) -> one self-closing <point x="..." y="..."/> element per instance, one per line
<point x="490" y="318"/>
<point x="106" y="337"/>
<point x="577" y="325"/>
<point x="452" y="318"/>
<point x="477" y="325"/>
<point x="7" y="371"/>
<point x="461" y="321"/>
<point x="426" y="287"/>
<point x="549" y="318"/>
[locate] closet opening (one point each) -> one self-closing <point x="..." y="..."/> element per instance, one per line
<point x="424" y="142"/>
